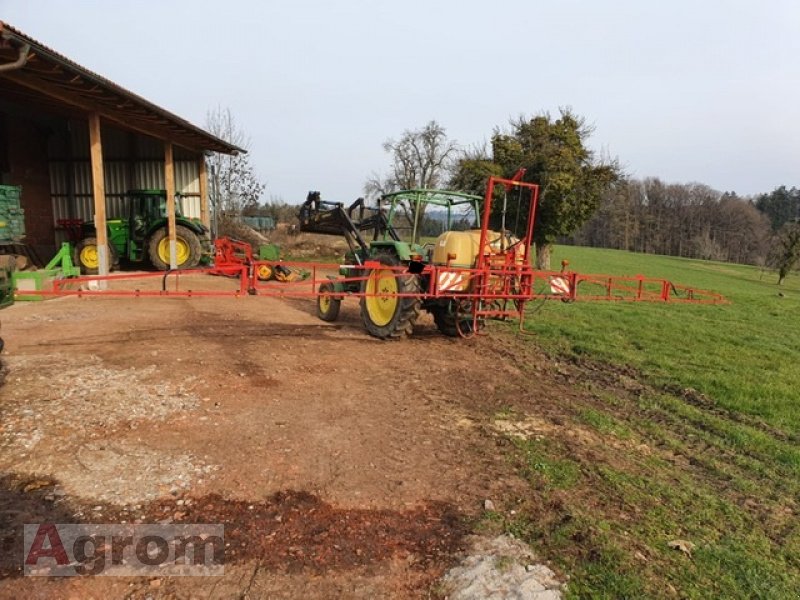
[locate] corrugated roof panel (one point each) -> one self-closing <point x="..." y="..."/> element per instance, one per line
<point x="59" y="181"/>
<point x="83" y="178"/>
<point x="149" y="175"/>
<point x="187" y="177"/>
<point x="191" y="206"/>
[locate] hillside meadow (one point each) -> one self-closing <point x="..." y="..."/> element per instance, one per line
<point x="674" y="471"/>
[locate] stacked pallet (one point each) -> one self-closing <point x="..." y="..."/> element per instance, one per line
<point x="12" y="216"/>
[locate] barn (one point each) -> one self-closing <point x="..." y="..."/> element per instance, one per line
<point x="76" y="143"/>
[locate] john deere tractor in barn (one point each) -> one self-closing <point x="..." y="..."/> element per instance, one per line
<point x="143" y="235"/>
<point x="409" y="230"/>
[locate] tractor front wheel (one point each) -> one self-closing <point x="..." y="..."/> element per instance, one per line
<point x="87" y="257"/>
<point x="328" y="306"/>
<point x="386" y="311"/>
<point x="265" y="272"/>
<point x="188" y="250"/>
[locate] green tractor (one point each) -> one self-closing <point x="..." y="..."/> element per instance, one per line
<point x="410" y="228"/>
<point x="143" y="235"/>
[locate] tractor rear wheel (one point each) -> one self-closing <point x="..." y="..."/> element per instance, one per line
<point x="453" y="322"/>
<point x="328" y="306"/>
<point x="87" y="257"/>
<point x="188" y="250"/>
<point x="387" y="315"/>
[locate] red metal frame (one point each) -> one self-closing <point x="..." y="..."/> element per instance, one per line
<point x="505" y="282"/>
<point x="230" y="254"/>
<point x="500" y="284"/>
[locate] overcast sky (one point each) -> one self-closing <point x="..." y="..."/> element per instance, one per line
<point x="684" y="90"/>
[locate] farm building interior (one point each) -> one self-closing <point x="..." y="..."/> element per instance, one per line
<point x="76" y="143"/>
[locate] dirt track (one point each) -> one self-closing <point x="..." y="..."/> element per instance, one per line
<point x="237" y="410"/>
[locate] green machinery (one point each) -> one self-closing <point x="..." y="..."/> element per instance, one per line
<point x="27" y="283"/>
<point x="409" y="228"/>
<point x="12" y="231"/>
<point x="143" y="235"/>
<point x="12" y="215"/>
<point x="6" y="282"/>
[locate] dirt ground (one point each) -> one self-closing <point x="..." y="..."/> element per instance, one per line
<point x="340" y="465"/>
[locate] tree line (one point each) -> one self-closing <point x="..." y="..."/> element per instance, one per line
<point x="694" y="221"/>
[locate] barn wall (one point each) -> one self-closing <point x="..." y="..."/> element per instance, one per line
<point x="26" y="152"/>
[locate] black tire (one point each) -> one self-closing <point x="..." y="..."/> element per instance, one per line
<point x="88" y="243"/>
<point x="401" y="324"/>
<point x="328" y="311"/>
<point x="448" y="323"/>
<point x="189" y="237"/>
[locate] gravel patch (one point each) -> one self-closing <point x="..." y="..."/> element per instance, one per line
<point x="74" y="428"/>
<point x="501" y="569"/>
<point x="76" y="400"/>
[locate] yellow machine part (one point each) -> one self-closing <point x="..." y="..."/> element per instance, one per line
<point x="460" y="249"/>
<point x="287" y="275"/>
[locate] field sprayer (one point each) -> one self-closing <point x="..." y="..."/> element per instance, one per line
<point x="465" y="275"/>
<point x="418" y="250"/>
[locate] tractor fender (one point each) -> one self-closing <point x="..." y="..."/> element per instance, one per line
<point x="200" y="230"/>
<point x="400" y="249"/>
<point x="196" y="227"/>
<point x="338" y="286"/>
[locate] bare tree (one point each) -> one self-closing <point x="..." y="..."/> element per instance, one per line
<point x="234" y="183"/>
<point x="421" y="159"/>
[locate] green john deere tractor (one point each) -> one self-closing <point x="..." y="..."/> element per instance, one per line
<point x="410" y="228"/>
<point x="143" y="235"/>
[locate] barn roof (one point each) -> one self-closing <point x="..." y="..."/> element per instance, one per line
<point x="51" y="80"/>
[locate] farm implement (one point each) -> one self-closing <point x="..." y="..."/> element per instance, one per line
<point x="230" y="255"/>
<point x="418" y="250"/>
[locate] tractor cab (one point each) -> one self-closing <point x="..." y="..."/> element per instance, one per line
<point x="145" y="209"/>
<point x="421" y="217"/>
<point x="440" y="227"/>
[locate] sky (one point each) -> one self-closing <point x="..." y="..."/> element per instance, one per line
<point x="687" y="91"/>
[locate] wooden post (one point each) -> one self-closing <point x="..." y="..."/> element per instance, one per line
<point x="99" y="192"/>
<point x="169" y="178"/>
<point x="203" y="177"/>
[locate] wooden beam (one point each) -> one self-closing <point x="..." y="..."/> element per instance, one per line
<point x="99" y="191"/>
<point x="205" y="217"/>
<point x="169" y="179"/>
<point x="52" y="90"/>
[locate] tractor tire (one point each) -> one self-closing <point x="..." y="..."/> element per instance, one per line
<point x="391" y="318"/>
<point x="446" y="322"/>
<point x="328" y="306"/>
<point x="265" y="272"/>
<point x="85" y="256"/>
<point x="188" y="250"/>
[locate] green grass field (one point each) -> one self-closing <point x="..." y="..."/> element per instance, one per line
<point x="744" y="355"/>
<point x="707" y="450"/>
